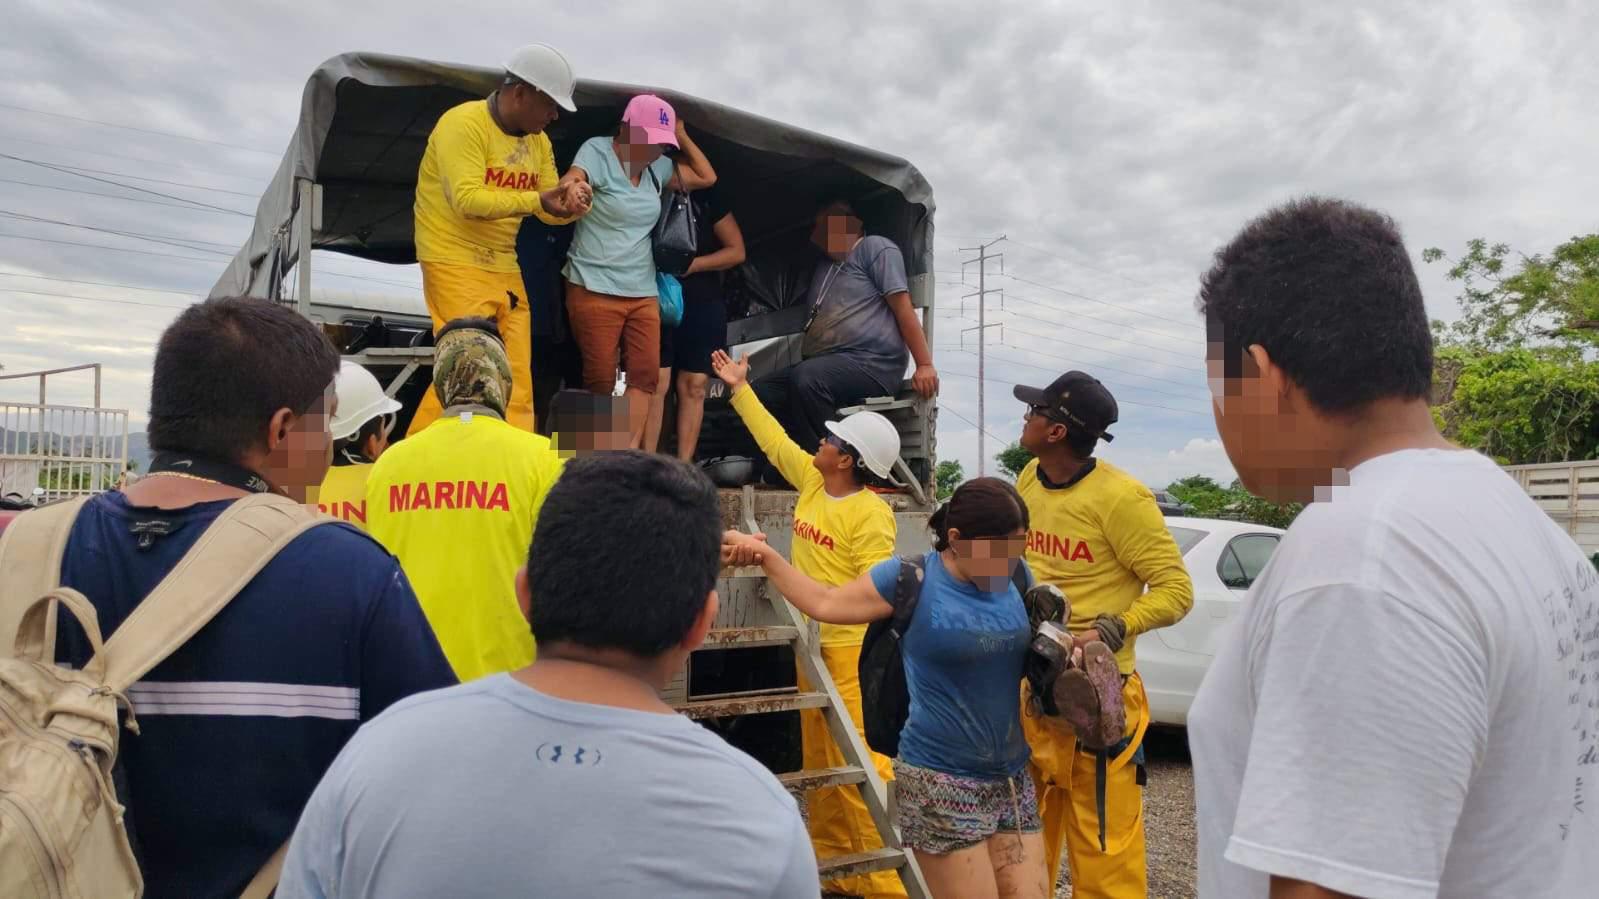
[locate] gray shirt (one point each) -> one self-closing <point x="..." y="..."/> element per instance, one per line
<point x="854" y="318"/>
<point x="494" y="789"/>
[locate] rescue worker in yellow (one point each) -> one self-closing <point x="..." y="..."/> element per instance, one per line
<point x="1097" y="534"/>
<point x="361" y="428"/>
<point x="841" y="530"/>
<point x="457" y="505"/>
<point x="489" y="164"/>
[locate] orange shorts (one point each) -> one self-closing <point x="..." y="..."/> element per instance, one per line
<point x="603" y="325"/>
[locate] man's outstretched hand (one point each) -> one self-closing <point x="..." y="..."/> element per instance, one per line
<point x="925" y="380"/>
<point x="735" y="374"/>
<point x="740" y="549"/>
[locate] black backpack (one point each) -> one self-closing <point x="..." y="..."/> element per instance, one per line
<point x="885" y="697"/>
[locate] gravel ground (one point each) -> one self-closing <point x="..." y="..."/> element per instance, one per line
<point x="1169" y="819"/>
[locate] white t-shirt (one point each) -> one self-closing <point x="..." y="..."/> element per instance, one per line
<point x="1409" y="703"/>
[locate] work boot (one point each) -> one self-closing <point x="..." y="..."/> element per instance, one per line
<point x="1045" y="602"/>
<point x="1089" y="697"/>
<point x="1050" y="652"/>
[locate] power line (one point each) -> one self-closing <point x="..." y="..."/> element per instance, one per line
<point x="1100" y="367"/>
<point x="1095" y="349"/>
<point x="1095" y="363"/>
<point x="141" y="160"/>
<point x="1090" y="299"/>
<point x="94" y="283"/>
<point x="143" y="190"/>
<point x="1176" y="396"/>
<point x="96" y="246"/>
<point x="950" y="410"/>
<point x="1119" y="401"/>
<point x="138" y="252"/>
<point x="1116" y="324"/>
<point x="178" y="242"/>
<point x="74" y="296"/>
<point x="1079" y="329"/>
<point x="198" y="140"/>
<point x="78" y="169"/>
<point x="91" y="193"/>
<point x="1103" y="271"/>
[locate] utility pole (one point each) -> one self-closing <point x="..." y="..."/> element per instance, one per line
<point x="983" y="256"/>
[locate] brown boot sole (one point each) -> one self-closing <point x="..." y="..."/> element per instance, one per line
<point x="1099" y="663"/>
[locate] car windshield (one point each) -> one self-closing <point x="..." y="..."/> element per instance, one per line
<point x="1187" y="538"/>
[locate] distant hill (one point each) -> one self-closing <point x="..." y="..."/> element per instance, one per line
<point x="138" y="445"/>
<point x="139" y="450"/>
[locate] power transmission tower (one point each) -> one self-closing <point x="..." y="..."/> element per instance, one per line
<point x="983" y="256"/>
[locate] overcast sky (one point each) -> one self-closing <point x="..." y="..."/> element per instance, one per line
<point x="1116" y="145"/>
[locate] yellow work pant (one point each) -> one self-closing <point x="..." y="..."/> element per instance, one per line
<point x="1067" y="803"/>
<point x="839" y="821"/>
<point x="461" y="291"/>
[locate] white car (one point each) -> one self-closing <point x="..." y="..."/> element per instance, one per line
<point x="1223" y="558"/>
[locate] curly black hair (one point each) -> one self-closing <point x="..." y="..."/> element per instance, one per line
<point x="1327" y="288"/>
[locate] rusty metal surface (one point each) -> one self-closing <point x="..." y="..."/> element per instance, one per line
<point x="756" y="705"/>
<point x="821" y="777"/>
<point x="742" y="637"/>
<point x="842" y="866"/>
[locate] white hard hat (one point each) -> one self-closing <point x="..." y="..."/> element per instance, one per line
<point x="874" y="436"/>
<point x="545" y="68"/>
<point x="361" y="399"/>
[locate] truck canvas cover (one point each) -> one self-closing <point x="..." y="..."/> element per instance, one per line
<point x="364" y="124"/>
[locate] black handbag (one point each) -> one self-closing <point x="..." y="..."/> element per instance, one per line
<point x="676" y="238"/>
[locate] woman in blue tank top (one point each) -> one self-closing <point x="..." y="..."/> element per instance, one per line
<point x="966" y="806"/>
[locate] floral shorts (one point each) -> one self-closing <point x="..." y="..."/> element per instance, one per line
<point x="941" y="813"/>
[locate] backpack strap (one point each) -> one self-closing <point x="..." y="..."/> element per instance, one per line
<point x="907" y="593"/>
<point x="230" y="553"/>
<point x="31" y="549"/>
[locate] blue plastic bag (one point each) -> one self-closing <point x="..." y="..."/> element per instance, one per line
<point x="670" y="293"/>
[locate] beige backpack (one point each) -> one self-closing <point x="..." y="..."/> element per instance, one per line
<point x="61" y="831"/>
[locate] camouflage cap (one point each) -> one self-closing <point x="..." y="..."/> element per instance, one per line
<point x="470" y="366"/>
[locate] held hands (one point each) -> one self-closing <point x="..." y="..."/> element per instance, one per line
<point x="925" y="380"/>
<point x="740" y="549"/>
<point x="579" y="196"/>
<point x="734" y="374"/>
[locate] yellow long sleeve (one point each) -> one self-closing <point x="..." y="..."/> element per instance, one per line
<point x="791" y="461"/>
<point x="1138" y="534"/>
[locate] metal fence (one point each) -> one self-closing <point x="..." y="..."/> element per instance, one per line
<point x="65" y="451"/>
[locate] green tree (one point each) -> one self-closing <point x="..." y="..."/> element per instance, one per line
<point x="1209" y="499"/>
<point x="1521" y="406"/>
<point x="1204" y="497"/>
<point x="1012" y="459"/>
<point x="946" y="477"/>
<point x="1507" y="303"/>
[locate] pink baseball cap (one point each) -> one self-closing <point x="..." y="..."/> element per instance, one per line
<point x="655" y="116"/>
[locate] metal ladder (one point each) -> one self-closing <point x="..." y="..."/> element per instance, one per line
<point x="798" y="634"/>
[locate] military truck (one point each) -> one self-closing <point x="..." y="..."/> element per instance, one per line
<point x="346" y="185"/>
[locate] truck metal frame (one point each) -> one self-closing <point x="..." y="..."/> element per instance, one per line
<point x="348" y="178"/>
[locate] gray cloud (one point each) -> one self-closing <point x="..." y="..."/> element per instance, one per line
<point x="1117" y="146"/>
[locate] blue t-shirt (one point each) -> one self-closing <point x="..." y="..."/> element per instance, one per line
<point x="964" y="653"/>
<point x="494" y="789"/>
<point x="239" y="724"/>
<point x="610" y="251"/>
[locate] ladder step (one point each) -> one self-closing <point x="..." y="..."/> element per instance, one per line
<point x="821" y="777"/>
<point x="842" y="866"/>
<point x="745" y="637"/>
<point x="751" y="705"/>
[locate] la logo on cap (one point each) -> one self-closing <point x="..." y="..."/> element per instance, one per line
<point x="665" y="119"/>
